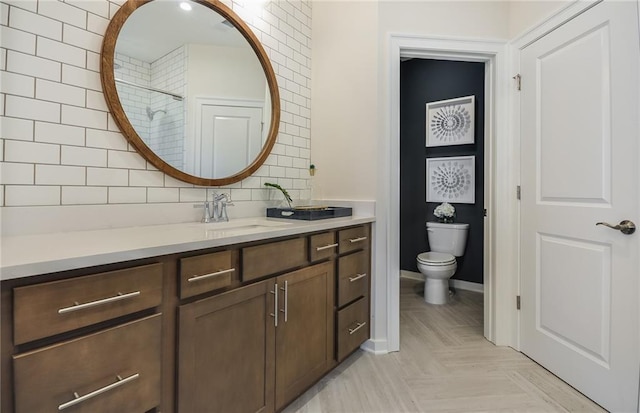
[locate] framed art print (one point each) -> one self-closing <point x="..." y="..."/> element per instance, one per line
<point x="450" y="122"/>
<point x="451" y="179"/>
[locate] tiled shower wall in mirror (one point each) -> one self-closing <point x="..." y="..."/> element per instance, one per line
<point x="59" y="144"/>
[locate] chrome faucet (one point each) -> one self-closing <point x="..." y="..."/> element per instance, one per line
<point x="219" y="209"/>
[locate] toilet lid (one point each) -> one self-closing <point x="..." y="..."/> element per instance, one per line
<point x="436" y="258"/>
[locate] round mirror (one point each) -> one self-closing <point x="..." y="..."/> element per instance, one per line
<point x="191" y="88"/>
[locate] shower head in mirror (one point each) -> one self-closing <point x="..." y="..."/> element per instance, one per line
<point x="152" y="113"/>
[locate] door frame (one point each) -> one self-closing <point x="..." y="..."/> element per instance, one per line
<point x="500" y="237"/>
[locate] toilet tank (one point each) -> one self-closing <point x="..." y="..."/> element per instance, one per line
<point x="448" y="238"/>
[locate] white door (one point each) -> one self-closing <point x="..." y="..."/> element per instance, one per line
<point x="231" y="138"/>
<point x="579" y="131"/>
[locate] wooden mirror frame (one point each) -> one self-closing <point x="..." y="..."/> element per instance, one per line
<point x="107" y="77"/>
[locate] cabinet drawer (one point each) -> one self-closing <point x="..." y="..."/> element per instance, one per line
<point x="116" y="370"/>
<point x="353" y="327"/>
<point x="207" y="272"/>
<point x="353" y="239"/>
<point x="267" y="259"/>
<point x="47" y="309"/>
<point x="353" y="277"/>
<point x="322" y="246"/>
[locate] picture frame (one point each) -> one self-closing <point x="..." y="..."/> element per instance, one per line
<point x="451" y="179"/>
<point x="451" y="122"/>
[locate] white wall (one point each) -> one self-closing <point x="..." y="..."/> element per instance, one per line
<point x="525" y="14"/>
<point x="60" y="146"/>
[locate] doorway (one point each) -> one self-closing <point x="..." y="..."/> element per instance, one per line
<point x="499" y="325"/>
<point x="453" y="91"/>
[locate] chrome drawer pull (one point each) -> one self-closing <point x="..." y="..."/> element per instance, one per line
<point x="213" y="274"/>
<point x="275" y="307"/>
<point x="326" y="247"/>
<point x="286" y="301"/>
<point x="352" y="240"/>
<point x="360" y="325"/>
<point x="90" y="304"/>
<point x="80" y="399"/>
<point x="357" y="277"/>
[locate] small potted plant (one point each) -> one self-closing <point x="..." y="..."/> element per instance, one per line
<point x="445" y="212"/>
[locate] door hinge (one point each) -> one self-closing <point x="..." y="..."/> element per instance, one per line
<point x="518" y="80"/>
<point x="517" y="302"/>
<point x="484" y="212"/>
<point x="518" y="192"/>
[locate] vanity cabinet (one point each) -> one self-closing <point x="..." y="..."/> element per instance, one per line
<point x="238" y="328"/>
<point x="354" y="289"/>
<point x="83" y="344"/>
<point x="256" y="348"/>
<point x="226" y="351"/>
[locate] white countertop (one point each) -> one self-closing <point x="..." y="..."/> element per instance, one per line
<point x="28" y="255"/>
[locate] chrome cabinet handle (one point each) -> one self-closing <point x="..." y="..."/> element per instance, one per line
<point x="213" y="274"/>
<point x="326" y="247"/>
<point x="357" y="277"/>
<point x="80" y="399"/>
<point x="275" y="306"/>
<point x="359" y="326"/>
<point x="626" y="227"/>
<point x="352" y="240"/>
<point x="90" y="304"/>
<point x="286" y="300"/>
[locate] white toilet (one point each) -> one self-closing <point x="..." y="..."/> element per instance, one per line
<point x="447" y="241"/>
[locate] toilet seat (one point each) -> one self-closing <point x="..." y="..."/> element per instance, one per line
<point x="436" y="259"/>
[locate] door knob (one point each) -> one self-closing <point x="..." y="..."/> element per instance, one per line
<point x="626" y="227"/>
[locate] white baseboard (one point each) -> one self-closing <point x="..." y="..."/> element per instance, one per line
<point x="376" y="347"/>
<point x="457" y="284"/>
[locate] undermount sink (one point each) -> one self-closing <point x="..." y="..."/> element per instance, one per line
<point x="240" y="226"/>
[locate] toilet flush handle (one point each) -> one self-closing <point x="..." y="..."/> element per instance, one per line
<point x="626" y="227"/>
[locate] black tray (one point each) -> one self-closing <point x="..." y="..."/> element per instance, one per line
<point x="309" y="214"/>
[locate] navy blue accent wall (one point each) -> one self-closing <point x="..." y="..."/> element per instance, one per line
<point x="423" y="81"/>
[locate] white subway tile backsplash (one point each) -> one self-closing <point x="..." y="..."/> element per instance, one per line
<point x="129" y="160"/>
<point x="3" y="59"/>
<point x="84" y="195"/>
<point x="156" y="195"/>
<point x="81" y="38"/>
<point x="63" y="12"/>
<point x="285" y="161"/>
<point x="18" y="40"/>
<point x="19" y="129"/>
<point x="31" y="195"/>
<point x="60" y="175"/>
<point x="58" y="51"/>
<point x="4" y="14"/>
<point x="36" y="24"/>
<point x="127" y="195"/>
<point x="241" y="194"/>
<point x="77" y="76"/>
<point x="171" y="182"/>
<point x="1" y="195"/>
<point x="277" y="172"/>
<point x="101" y="8"/>
<point x="95" y="100"/>
<point x="89" y="118"/>
<point x="20" y="107"/>
<point x="31" y="5"/>
<point x="97" y="24"/>
<point x="33" y="66"/>
<point x="107" y="177"/>
<point x="259" y="195"/>
<point x="146" y="178"/>
<point x="93" y="61"/>
<point x="80" y="156"/>
<point x="16" y="173"/>
<point x="61" y="93"/>
<point x="104" y="139"/>
<point x="192" y="194"/>
<point x="60" y="134"/>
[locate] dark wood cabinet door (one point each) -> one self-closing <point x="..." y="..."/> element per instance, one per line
<point x="305" y="333"/>
<point x="226" y="352"/>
